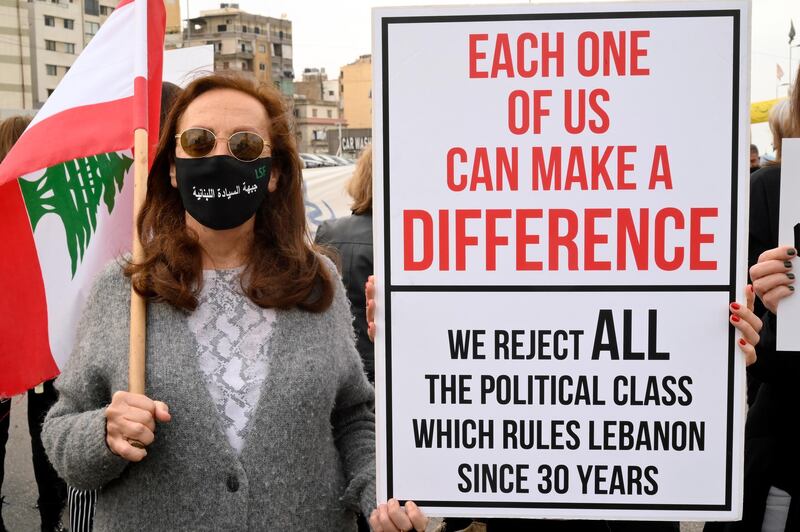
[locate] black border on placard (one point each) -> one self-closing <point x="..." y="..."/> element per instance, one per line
<point x="730" y="288"/>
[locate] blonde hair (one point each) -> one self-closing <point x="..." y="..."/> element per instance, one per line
<point x="11" y="130"/>
<point x="793" y="120"/>
<point x="360" y="186"/>
<point x="780" y="124"/>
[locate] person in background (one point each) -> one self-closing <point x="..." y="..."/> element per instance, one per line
<point x="780" y="123"/>
<point x="81" y="503"/>
<point x="755" y="160"/>
<point x="52" y="490"/>
<point x="351" y="236"/>
<point x="772" y="453"/>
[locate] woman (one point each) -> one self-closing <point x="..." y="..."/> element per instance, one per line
<point x="772" y="461"/>
<point x="257" y="414"/>
<point x="352" y="238"/>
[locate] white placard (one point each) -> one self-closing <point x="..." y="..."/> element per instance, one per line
<point x="787" y="332"/>
<point x="554" y="261"/>
<point x="183" y="65"/>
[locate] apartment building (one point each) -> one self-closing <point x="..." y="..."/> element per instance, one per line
<point x="256" y="45"/>
<point x="39" y="41"/>
<point x="313" y="121"/>
<point x="355" y="87"/>
<point x="316" y="86"/>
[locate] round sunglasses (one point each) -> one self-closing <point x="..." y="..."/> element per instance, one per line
<point x="245" y="146"/>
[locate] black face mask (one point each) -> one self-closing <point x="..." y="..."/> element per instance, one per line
<point x="222" y="192"/>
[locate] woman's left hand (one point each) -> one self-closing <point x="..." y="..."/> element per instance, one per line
<point x="391" y="517"/>
<point x="748" y="324"/>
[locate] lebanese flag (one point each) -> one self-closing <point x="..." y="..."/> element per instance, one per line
<point x="66" y="191"/>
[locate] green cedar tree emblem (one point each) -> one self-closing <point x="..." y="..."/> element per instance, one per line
<point x="73" y="191"/>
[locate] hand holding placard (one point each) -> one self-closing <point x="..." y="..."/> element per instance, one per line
<point x="772" y="276"/>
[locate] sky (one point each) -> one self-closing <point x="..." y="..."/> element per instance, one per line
<point x="331" y="34"/>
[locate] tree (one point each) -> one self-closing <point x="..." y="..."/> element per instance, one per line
<point x="73" y="191"/>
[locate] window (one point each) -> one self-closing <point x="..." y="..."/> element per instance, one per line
<point x="91" y="27"/>
<point x="262" y="48"/>
<point x="218" y="47"/>
<point x="244" y="66"/>
<point x="51" y="70"/>
<point x="277" y="50"/>
<point x="330" y="93"/>
<point x="256" y="30"/>
<point x="49" y="21"/>
<point x="106" y="10"/>
<point x="91" y="7"/>
<point x="280" y="35"/>
<point x="222" y="27"/>
<point x="244" y="29"/>
<point x="330" y="113"/>
<point x="69" y="24"/>
<point x="226" y="65"/>
<point x="262" y="67"/>
<point x="244" y="47"/>
<point x="69" y="47"/>
<point x="50" y="45"/>
<point x="314" y="113"/>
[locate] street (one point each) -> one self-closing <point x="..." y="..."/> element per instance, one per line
<point x="19" y="487"/>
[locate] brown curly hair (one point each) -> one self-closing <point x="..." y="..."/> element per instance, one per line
<point x="284" y="268"/>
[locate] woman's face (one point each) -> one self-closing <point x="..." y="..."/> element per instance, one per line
<point x="224" y="112"/>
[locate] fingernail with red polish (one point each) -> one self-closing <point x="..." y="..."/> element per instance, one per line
<point x="735" y="306"/>
<point x="735" y="318"/>
<point x="742" y="342"/>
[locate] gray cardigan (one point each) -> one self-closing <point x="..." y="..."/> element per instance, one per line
<point x="308" y="461"/>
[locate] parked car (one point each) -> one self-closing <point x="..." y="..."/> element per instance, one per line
<point x="328" y="159"/>
<point x="310" y="161"/>
<point x="317" y="157"/>
<point x="341" y="160"/>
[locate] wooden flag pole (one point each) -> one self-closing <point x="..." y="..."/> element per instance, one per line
<point x="138" y="332"/>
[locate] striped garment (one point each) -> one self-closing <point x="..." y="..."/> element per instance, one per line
<point x="81" y="509"/>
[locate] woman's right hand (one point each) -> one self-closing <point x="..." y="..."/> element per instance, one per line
<point x="131" y="419"/>
<point x="772" y="276"/>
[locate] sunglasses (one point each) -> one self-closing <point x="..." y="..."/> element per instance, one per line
<point x="245" y="146"/>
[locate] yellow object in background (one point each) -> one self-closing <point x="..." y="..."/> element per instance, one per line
<point x="759" y="111"/>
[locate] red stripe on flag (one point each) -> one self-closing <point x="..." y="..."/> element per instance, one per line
<point x="156" y="27"/>
<point x="43" y="145"/>
<point x="24" y="342"/>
